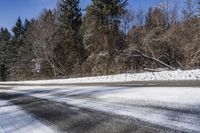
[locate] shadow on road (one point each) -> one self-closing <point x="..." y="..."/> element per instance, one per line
<point x="68" y="118"/>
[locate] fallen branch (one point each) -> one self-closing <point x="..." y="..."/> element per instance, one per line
<point x="180" y="65"/>
<point x="154" y="59"/>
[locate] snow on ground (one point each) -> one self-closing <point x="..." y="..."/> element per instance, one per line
<point x="178" y="95"/>
<point x="175" y="107"/>
<point x="14" y="120"/>
<point x="128" y="77"/>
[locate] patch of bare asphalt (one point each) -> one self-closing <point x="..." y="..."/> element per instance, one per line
<point x="71" y="119"/>
<point x="5" y="88"/>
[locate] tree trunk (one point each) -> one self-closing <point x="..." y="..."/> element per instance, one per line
<point x="108" y="44"/>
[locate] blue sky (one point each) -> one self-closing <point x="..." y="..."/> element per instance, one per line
<point x="11" y="9"/>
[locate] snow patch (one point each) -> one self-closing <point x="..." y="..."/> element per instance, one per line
<point x="14" y="120"/>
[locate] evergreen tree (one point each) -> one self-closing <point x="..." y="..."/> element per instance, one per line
<point x="4" y="52"/>
<point x="4" y="36"/>
<point x="20" y="52"/>
<point x="70" y="15"/>
<point x="107" y="15"/>
<point x="70" y="22"/>
<point x="17" y="40"/>
<point x="69" y="31"/>
<point x="18" y="31"/>
<point x="27" y="24"/>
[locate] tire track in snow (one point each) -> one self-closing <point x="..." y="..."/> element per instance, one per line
<point x="100" y="98"/>
<point x="68" y="118"/>
<point x="14" y="120"/>
<point x="111" y="100"/>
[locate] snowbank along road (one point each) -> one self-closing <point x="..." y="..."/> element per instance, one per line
<point x="177" y="75"/>
<point x="99" y="109"/>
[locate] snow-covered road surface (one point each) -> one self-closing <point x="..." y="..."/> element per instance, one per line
<point x="171" y="107"/>
<point x="15" y="120"/>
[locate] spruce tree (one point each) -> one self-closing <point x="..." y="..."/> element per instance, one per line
<point x="4" y="52"/>
<point x="18" y="31"/>
<point x="70" y="21"/>
<point x="17" y="41"/>
<point x="69" y="29"/>
<point x="4" y="36"/>
<point x="107" y="14"/>
<point x="70" y="15"/>
<point x="27" y="24"/>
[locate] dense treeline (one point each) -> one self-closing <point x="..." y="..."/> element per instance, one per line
<point x="105" y="38"/>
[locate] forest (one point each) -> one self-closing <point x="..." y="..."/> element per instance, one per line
<point x="107" y="37"/>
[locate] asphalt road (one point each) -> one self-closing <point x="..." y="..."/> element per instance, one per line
<point x="101" y="108"/>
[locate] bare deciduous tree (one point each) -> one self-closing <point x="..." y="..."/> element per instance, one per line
<point x="164" y="6"/>
<point x="155" y="18"/>
<point x="174" y="12"/>
<point x="140" y="17"/>
<point x="41" y="34"/>
<point x="127" y="20"/>
<point x="170" y="9"/>
<point x="188" y="9"/>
